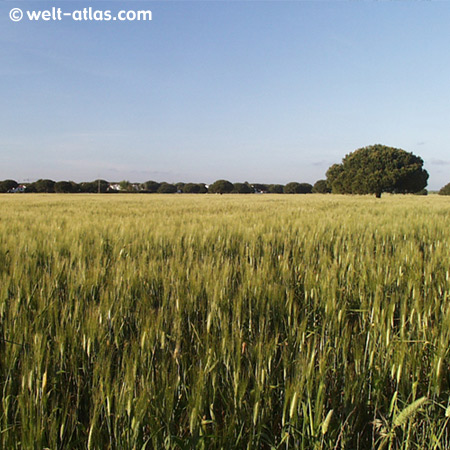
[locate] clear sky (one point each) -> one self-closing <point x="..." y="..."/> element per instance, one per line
<point x="253" y="91"/>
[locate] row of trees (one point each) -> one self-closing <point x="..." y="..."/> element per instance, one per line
<point x="218" y="187"/>
<point x="369" y="170"/>
<point x="225" y="187"/>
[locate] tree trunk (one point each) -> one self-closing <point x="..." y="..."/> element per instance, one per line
<point x="378" y="194"/>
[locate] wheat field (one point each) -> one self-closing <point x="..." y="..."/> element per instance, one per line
<point x="223" y="322"/>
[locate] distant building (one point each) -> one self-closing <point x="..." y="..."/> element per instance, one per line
<point x="114" y="187"/>
<point x="18" y="189"/>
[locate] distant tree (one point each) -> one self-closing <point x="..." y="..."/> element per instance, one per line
<point x="192" y="188"/>
<point x="180" y="186"/>
<point x="7" y="185"/>
<point x="297" y="188"/>
<point x="30" y="188"/>
<point x="421" y="192"/>
<point x="87" y="187"/>
<point x="242" y="188"/>
<point x="44" y="186"/>
<point x="445" y="190"/>
<point x="92" y="187"/>
<point x="203" y="188"/>
<point x="167" y="188"/>
<point x="275" y="189"/>
<point x="75" y="187"/>
<point x="126" y="186"/>
<point x="305" y="188"/>
<point x="101" y="186"/>
<point x="64" y="187"/>
<point x="221" y="187"/>
<point x="151" y="186"/>
<point x="321" y="187"/>
<point x="377" y="169"/>
<point x="258" y="187"/>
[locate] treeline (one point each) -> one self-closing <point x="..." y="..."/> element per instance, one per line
<point x="218" y="187"/>
<point x="445" y="190"/>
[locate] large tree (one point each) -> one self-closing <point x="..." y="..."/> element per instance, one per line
<point x="377" y="169"/>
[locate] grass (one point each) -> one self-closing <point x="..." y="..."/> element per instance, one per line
<point x="253" y="322"/>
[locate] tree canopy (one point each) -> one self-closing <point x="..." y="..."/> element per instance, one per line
<point x="66" y="187"/>
<point x="191" y="188"/>
<point x="194" y="188"/>
<point x="93" y="187"/>
<point x="376" y="169"/>
<point x="41" y="185"/>
<point x="7" y="185"/>
<point x="275" y="188"/>
<point x="151" y="186"/>
<point x="221" y="187"/>
<point x="242" y="188"/>
<point x="297" y="188"/>
<point x="321" y="187"/>
<point x="167" y="188"/>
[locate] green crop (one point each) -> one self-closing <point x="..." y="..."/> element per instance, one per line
<point x="224" y="322"/>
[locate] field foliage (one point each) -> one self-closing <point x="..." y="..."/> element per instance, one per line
<point x="207" y="322"/>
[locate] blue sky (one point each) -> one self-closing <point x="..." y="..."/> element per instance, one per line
<point x="253" y="91"/>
